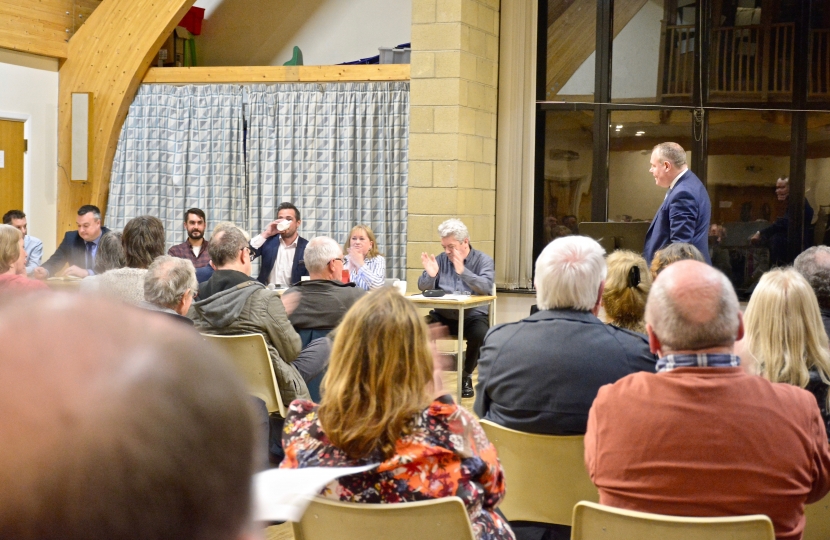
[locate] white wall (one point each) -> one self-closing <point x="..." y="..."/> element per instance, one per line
<point x="636" y="59"/>
<point x="29" y="91"/>
<point x="264" y="32"/>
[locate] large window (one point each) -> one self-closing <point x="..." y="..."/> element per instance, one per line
<point x="740" y="84"/>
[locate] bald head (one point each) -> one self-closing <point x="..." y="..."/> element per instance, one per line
<point x="123" y="426"/>
<point x="693" y="307"/>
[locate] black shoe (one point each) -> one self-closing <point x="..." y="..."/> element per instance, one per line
<point x="467" y="387"/>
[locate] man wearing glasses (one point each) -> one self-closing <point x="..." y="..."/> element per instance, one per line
<point x="231" y="302"/>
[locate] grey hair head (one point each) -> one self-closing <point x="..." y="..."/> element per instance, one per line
<point x="814" y="265"/>
<point x="110" y="254"/>
<point x="225" y="245"/>
<point x="671" y="152"/>
<point x="319" y="252"/>
<point x="454" y="227"/>
<point x="167" y="281"/>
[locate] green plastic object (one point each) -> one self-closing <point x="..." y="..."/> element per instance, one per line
<point x="297" y="59"/>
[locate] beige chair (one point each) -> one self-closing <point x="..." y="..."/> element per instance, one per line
<point x="593" y="521"/>
<point x="436" y="519"/>
<point x="545" y="474"/>
<point x="818" y="520"/>
<point x="252" y="361"/>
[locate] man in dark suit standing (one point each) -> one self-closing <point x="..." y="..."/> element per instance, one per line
<point x="685" y="212"/>
<point x="281" y="248"/>
<point x="78" y="248"/>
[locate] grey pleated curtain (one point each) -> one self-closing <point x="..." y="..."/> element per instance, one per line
<point x="338" y="152"/>
<point x="180" y="147"/>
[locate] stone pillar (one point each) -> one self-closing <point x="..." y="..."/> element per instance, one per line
<point x="452" y="141"/>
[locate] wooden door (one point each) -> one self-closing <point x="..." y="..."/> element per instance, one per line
<point x="12" y="147"/>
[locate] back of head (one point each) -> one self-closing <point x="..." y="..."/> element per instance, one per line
<point x="127" y="428"/>
<point x="814" y="265"/>
<point x="168" y="279"/>
<point x="9" y="247"/>
<point x="672" y="253"/>
<point x="626" y="290"/>
<point x="692" y="307"/>
<point x="378" y="375"/>
<point x="110" y="254"/>
<point x="319" y="251"/>
<point x="143" y="240"/>
<point x="784" y="332"/>
<point x="569" y="272"/>
<point x="225" y="245"/>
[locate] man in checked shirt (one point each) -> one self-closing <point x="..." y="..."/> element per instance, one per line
<point x="195" y="248"/>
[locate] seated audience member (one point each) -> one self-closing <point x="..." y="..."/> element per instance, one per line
<point x="460" y="269"/>
<point x="109" y="256"/>
<point x="143" y="241"/>
<point x="626" y="290"/>
<point x="152" y="432"/>
<point x="281" y="248"/>
<point x="718" y="254"/>
<point x="323" y="299"/>
<point x="32" y="245"/>
<point x="169" y="286"/>
<point x="702" y="437"/>
<point x="672" y="253"/>
<point x="366" y="266"/>
<point x="541" y="374"/>
<point x="231" y="302"/>
<point x="77" y="248"/>
<point x="571" y="222"/>
<point x="427" y="446"/>
<point x="814" y="265"/>
<point x="785" y="339"/>
<point x="13" y="263"/>
<point x="195" y="249"/>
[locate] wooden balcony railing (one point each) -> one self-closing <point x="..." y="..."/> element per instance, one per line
<point x="679" y="61"/>
<point x="820" y="63"/>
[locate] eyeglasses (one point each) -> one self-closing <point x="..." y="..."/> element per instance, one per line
<point x="252" y="253"/>
<point x="338" y="259"/>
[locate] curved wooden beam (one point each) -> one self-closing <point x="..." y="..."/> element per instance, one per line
<point x="109" y="57"/>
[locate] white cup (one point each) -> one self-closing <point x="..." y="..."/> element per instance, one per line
<point x="401" y="286"/>
<point x="283" y="224"/>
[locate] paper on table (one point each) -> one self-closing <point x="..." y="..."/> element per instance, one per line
<point x="447" y="297"/>
<point x="284" y="494"/>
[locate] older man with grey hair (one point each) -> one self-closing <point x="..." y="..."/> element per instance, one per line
<point x="169" y="287"/>
<point x="324" y="298"/>
<point x="814" y="265"/>
<point x="702" y="437"/>
<point x="460" y="269"/>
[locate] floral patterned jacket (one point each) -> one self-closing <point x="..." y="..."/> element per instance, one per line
<point x="446" y="454"/>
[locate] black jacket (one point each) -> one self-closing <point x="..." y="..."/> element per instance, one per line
<point x="72" y="251"/>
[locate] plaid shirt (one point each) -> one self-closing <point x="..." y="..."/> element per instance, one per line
<point x="184" y="251"/>
<point x="669" y="362"/>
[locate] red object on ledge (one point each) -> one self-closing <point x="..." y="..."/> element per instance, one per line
<point x="193" y="20"/>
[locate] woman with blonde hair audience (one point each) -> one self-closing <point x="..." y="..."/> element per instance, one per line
<point x="784" y="338"/>
<point x="672" y="253"/>
<point x="366" y="266"/>
<point x="13" y="263"/>
<point x="626" y="289"/>
<point x="379" y="405"/>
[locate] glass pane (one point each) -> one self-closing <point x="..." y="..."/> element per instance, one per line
<point x="818" y="177"/>
<point x="569" y="151"/>
<point x="818" y="87"/>
<point x="572" y="43"/>
<point x="650" y="65"/>
<point x="632" y="193"/>
<point x="748" y="152"/>
<point x="752" y="58"/>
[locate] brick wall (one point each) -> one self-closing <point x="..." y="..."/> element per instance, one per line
<point x="452" y="141"/>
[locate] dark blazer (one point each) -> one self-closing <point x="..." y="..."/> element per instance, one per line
<point x="541" y="374"/>
<point x="268" y="254"/>
<point x="72" y="251"/>
<point x="683" y="217"/>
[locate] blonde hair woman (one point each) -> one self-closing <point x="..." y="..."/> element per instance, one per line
<point x="626" y="290"/>
<point x="378" y="407"/>
<point x="366" y="266"/>
<point x="785" y="338"/>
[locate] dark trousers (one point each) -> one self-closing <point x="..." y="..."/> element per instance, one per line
<point x="475" y="328"/>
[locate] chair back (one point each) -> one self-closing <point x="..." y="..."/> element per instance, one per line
<point x="545" y="473"/>
<point x="333" y="520"/>
<point x="250" y="357"/>
<point x="818" y="520"/>
<point x="593" y="521"/>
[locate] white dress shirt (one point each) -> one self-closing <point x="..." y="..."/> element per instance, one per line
<point x="281" y="272"/>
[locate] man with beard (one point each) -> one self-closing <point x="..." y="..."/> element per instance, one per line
<point x="195" y="248"/>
